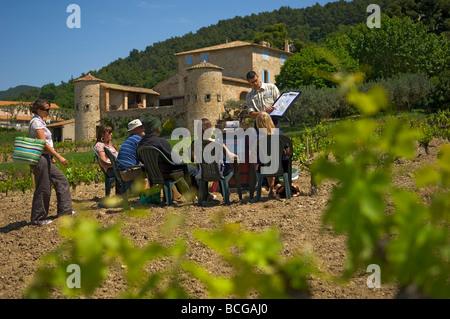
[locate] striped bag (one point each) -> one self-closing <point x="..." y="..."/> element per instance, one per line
<point x="28" y="150"/>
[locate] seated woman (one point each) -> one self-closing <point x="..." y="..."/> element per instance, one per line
<point x="265" y="121"/>
<point x="104" y="137"/>
<point x="225" y="168"/>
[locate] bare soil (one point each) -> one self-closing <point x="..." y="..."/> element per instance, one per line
<point x="298" y="220"/>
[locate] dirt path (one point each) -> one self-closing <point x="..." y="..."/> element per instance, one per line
<point x="298" y="220"/>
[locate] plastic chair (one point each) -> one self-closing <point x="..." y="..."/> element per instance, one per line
<point x="210" y="172"/>
<point x="109" y="181"/>
<point x="283" y="141"/>
<point x="125" y="187"/>
<point x="151" y="156"/>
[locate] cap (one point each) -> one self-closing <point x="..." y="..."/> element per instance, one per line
<point x="151" y="124"/>
<point x="134" y="124"/>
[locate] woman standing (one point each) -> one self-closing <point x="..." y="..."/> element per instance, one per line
<point x="45" y="171"/>
<point x="104" y="137"/>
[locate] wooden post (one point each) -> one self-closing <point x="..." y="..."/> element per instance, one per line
<point x="307" y="146"/>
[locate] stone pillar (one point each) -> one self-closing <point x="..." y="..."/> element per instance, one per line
<point x="107" y="101"/>
<point x="125" y="100"/>
<point x="144" y="100"/>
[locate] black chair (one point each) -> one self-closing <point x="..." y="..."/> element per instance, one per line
<point x="125" y="187"/>
<point x="210" y="172"/>
<point x="151" y="156"/>
<point x="109" y="180"/>
<point x="283" y="142"/>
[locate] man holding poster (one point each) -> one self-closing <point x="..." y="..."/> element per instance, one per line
<point x="262" y="96"/>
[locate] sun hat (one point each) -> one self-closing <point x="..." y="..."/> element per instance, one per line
<point x="151" y="124"/>
<point x="134" y="124"/>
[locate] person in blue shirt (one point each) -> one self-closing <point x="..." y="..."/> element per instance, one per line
<point x="127" y="153"/>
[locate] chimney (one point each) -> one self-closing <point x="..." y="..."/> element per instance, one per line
<point x="265" y="44"/>
<point x="286" y="46"/>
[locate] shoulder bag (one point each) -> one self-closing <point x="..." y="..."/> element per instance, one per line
<point x="28" y="150"/>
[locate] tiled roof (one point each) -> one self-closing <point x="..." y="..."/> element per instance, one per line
<point x="88" y="78"/>
<point x="163" y="81"/>
<point x="231" y="45"/>
<point x="5" y="103"/>
<point x="204" y="65"/>
<point x="128" y="88"/>
<point x="22" y="118"/>
<point x="237" y="80"/>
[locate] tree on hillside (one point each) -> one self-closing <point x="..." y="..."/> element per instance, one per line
<point x="399" y="46"/>
<point x="314" y="65"/>
<point x="275" y="34"/>
<point x="434" y="14"/>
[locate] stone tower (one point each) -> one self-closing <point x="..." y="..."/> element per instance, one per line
<point x="204" y="94"/>
<point x="87" y="107"/>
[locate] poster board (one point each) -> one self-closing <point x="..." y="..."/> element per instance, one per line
<point x="284" y="102"/>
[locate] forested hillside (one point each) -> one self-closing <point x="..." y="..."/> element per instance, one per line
<point x="305" y="27"/>
<point x="21" y="92"/>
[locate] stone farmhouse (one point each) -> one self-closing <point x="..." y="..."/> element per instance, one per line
<point x="206" y="79"/>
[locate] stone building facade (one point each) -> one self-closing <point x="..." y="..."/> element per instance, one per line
<point x="97" y="101"/>
<point x="206" y="79"/>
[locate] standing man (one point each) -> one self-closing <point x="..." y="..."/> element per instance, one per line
<point x="261" y="97"/>
<point x="127" y="153"/>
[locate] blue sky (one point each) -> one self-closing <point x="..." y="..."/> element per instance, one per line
<point x="37" y="47"/>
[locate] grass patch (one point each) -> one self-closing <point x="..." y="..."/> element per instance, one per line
<point x="8" y="138"/>
<point x="81" y="158"/>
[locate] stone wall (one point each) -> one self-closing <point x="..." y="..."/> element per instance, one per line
<point x="234" y="91"/>
<point x="162" y="113"/>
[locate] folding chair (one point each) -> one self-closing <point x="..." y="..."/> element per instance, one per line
<point x="210" y="172"/>
<point x="151" y="156"/>
<point x="125" y="187"/>
<point x="283" y="142"/>
<point x="109" y="181"/>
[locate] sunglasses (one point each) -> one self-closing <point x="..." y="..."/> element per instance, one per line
<point x="46" y="110"/>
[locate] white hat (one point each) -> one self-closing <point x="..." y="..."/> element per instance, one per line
<point x="134" y="124"/>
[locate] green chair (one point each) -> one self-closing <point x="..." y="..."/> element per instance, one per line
<point x="125" y="187"/>
<point x="210" y="172"/>
<point x="283" y="142"/>
<point x="109" y="181"/>
<point x="151" y="156"/>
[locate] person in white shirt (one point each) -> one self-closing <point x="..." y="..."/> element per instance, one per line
<point x="46" y="172"/>
<point x="262" y="96"/>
